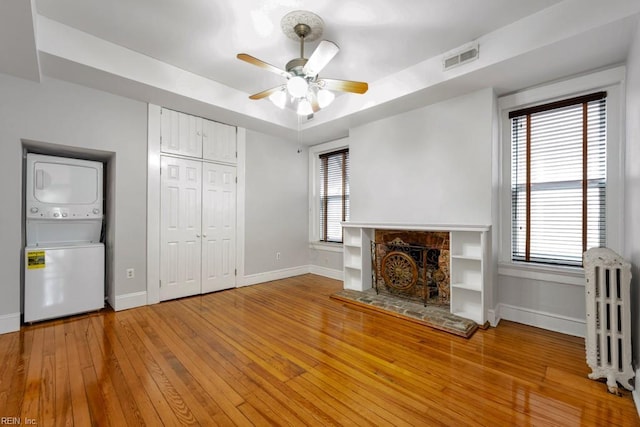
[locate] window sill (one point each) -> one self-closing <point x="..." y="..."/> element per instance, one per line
<point x="324" y="246"/>
<point x="565" y="275"/>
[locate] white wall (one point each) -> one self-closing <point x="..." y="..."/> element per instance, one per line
<point x="546" y="296"/>
<point x="553" y="305"/>
<point x="632" y="186"/>
<point x="431" y="165"/>
<point x="55" y="112"/>
<point x="326" y="263"/>
<point x="276" y="214"/>
<point x="439" y="165"/>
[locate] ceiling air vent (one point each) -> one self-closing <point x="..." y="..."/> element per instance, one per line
<point x="461" y="56"/>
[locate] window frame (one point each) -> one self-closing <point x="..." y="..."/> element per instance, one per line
<point x="342" y="197"/>
<point x="314" y="193"/>
<point x="533" y="189"/>
<point x="611" y="81"/>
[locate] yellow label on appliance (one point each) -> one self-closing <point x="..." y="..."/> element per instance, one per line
<point x="35" y="259"/>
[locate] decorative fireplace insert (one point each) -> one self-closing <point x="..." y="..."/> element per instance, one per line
<point x="409" y="270"/>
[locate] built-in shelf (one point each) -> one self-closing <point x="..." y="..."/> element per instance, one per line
<point x="468" y="274"/>
<point x="469" y="251"/>
<point x="470" y="287"/>
<point x="469" y="257"/>
<point x="352" y="239"/>
<point x="357" y="267"/>
<point x="352" y="256"/>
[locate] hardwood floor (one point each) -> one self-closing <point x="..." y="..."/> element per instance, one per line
<point x="284" y="353"/>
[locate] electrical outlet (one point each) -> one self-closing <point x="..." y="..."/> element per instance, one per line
<point x="130" y="273"/>
<point x="277" y="255"/>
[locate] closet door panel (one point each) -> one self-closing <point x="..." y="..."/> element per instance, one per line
<point x="218" y="142"/>
<point x="218" y="227"/>
<point x="180" y="134"/>
<point x="180" y="219"/>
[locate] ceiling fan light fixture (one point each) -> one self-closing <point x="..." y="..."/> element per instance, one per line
<point x="325" y="97"/>
<point x="297" y="87"/>
<point x="279" y="98"/>
<point x="304" y="107"/>
<point x="304" y="91"/>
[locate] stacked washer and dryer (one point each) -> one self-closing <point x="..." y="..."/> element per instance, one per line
<point x="64" y="256"/>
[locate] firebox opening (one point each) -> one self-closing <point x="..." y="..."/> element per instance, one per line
<point x="412" y="264"/>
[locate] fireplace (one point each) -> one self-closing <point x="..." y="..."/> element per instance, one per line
<point x="460" y="278"/>
<point x="412" y="265"/>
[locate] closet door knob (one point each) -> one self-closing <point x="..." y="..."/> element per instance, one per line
<point x="204" y="235"/>
<point x="197" y="235"/>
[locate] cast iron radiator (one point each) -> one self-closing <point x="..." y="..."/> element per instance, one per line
<point x="608" y="297"/>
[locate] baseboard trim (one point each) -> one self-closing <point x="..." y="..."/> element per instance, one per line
<point x="636" y="392"/>
<point x="550" y="321"/>
<point x="254" y="279"/>
<point x="9" y="323"/>
<point x="326" y="272"/>
<point x="493" y="316"/>
<point x="132" y="300"/>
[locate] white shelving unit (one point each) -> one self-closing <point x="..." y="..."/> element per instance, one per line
<point x="469" y="263"/>
<point x="357" y="258"/>
<point x="469" y="253"/>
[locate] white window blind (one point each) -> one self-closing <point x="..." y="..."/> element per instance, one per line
<point x="558" y="180"/>
<point x="334" y="194"/>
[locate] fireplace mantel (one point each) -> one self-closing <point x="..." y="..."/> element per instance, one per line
<point x="470" y="251"/>
<point x="418" y="227"/>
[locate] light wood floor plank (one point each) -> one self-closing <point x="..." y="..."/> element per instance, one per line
<point x="285" y="353"/>
<point x="79" y="391"/>
<point x="144" y="369"/>
<point x="63" y="407"/>
<point x="114" y="380"/>
<point x="211" y="344"/>
<point x="114" y="396"/>
<point x="209" y="394"/>
<point x="34" y="378"/>
<point x="11" y="356"/>
<point x="161" y="370"/>
<point x="137" y="404"/>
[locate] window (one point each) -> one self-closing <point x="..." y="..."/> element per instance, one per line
<point x="334" y="194"/>
<point x="558" y="180"/>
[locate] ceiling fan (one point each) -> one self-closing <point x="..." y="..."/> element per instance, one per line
<point x="304" y="90"/>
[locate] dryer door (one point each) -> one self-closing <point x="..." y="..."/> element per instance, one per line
<point x="63" y="188"/>
<point x="65" y="184"/>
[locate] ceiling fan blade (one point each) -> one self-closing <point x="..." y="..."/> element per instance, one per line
<point x="314" y="104"/>
<point x="266" y="93"/>
<point x="255" y="61"/>
<point x="343" y="85"/>
<point x="320" y="57"/>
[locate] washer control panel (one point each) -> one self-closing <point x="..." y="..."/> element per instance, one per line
<point x="63" y="213"/>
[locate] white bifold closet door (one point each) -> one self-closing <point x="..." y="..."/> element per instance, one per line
<point x="218" y="227"/>
<point x="198" y="204"/>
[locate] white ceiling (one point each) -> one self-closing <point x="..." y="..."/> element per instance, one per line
<point x="182" y="54"/>
<point x="377" y="37"/>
